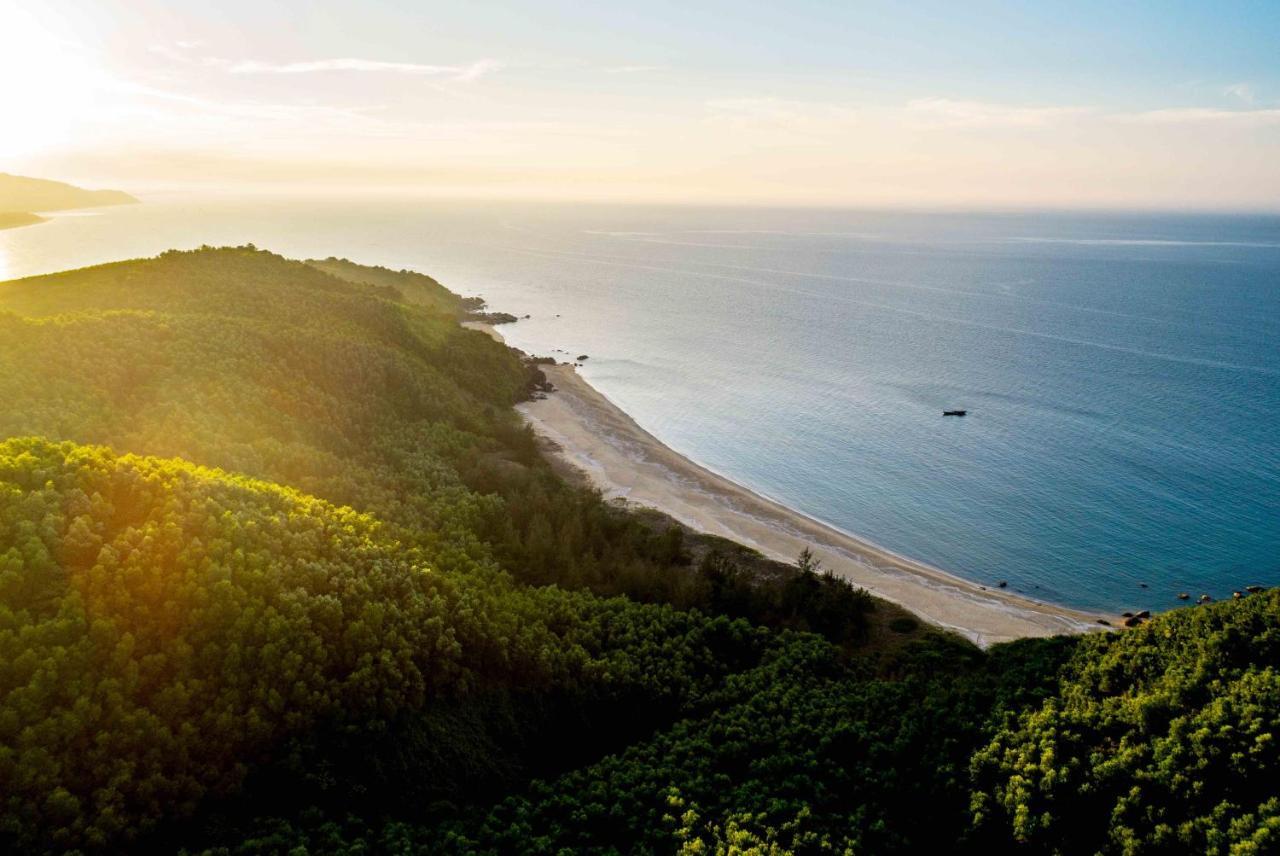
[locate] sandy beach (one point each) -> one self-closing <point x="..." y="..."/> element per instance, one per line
<point x="623" y="460"/>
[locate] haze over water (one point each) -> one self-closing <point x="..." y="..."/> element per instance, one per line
<point x="1121" y="372"/>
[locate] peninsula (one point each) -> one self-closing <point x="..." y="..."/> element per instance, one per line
<point x="20" y="196"/>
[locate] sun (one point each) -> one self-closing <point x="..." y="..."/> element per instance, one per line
<point x="47" y="87"/>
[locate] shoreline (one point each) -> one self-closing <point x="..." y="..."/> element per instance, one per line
<point x="594" y="436"/>
<point x="18" y="219"/>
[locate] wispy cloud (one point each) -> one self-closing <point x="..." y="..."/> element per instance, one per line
<point x="177" y="51"/>
<point x="1206" y="116"/>
<point x="947" y="112"/>
<point x="470" y="71"/>
<point x="183" y="52"/>
<point x="255" y="110"/>
<point x="777" y="111"/>
<point x="632" y="69"/>
<point x="1243" y="91"/>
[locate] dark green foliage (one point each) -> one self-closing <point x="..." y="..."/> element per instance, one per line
<point x="903" y="625"/>
<point x="409" y="285"/>
<point x="163" y="626"/>
<point x="243" y="360"/>
<point x="247" y="361"/>
<point x="385" y="625"/>
<point x="1161" y="740"/>
<point x="806" y="752"/>
<point x="798" y="598"/>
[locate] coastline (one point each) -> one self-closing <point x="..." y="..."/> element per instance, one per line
<point x="594" y="436"/>
<point x="18" y="219"/>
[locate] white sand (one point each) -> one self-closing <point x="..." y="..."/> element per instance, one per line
<point x="623" y="460"/>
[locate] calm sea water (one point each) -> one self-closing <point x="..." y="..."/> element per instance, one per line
<point x="1122" y="373"/>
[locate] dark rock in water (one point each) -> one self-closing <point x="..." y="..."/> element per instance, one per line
<point x="1126" y="615"/>
<point x="1146" y="613"/>
<point x="1104" y="622"/>
<point x="1204" y="598"/>
<point x="1142" y="585"/>
<point x="1237" y="595"/>
<point x="1184" y="596"/>
<point x="1003" y="583"/>
<point x="581" y="357"/>
<point x="491" y="318"/>
<point x="1253" y="589"/>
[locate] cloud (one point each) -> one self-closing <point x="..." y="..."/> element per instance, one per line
<point x="632" y="69"/>
<point x="1243" y="91"/>
<point x="470" y="71"/>
<point x="181" y="52"/>
<point x="951" y="113"/>
<point x="777" y="111"/>
<point x="174" y="52"/>
<point x="1206" y="116"/>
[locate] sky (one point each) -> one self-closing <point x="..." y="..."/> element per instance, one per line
<point x="1168" y="105"/>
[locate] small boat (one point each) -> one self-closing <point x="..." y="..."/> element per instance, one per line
<point x="954" y="412"/>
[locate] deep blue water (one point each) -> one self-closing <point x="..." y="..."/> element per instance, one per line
<point x="1121" y="372"/>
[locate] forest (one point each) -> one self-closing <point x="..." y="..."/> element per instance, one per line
<point x="283" y="571"/>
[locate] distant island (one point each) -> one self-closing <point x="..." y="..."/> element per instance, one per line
<point x="20" y="196"/>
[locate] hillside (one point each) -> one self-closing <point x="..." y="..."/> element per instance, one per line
<point x="19" y="194"/>
<point x="413" y="287"/>
<point x="13" y="219"/>
<point x="281" y="568"/>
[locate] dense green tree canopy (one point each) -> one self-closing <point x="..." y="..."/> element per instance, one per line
<point x="1160" y="740"/>
<point x="162" y="626"/>
<point x="282" y="571"/>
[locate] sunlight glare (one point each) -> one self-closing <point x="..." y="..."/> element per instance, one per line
<point x="49" y="86"/>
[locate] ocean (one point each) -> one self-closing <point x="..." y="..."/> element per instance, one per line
<point x="1121" y="372"/>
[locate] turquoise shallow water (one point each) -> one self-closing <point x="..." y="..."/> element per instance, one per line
<point x="1122" y="372"/>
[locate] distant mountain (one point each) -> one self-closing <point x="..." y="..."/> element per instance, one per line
<point x="18" y="193"/>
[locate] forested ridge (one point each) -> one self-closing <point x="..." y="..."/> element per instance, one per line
<point x="282" y="571"/>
